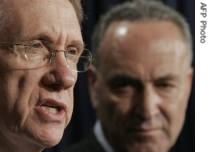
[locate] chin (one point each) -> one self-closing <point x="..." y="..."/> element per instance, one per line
<point x="50" y="141"/>
<point x="50" y="137"/>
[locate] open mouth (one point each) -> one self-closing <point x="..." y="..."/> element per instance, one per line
<point x="51" y="110"/>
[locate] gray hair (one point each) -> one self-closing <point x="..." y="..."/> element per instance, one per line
<point x="140" y="10"/>
<point x="4" y="15"/>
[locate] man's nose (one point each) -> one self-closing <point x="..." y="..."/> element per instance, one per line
<point x="61" y="75"/>
<point x="148" y="102"/>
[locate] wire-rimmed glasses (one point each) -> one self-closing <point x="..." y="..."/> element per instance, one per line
<point x="35" y="54"/>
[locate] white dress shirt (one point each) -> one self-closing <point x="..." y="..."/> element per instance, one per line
<point x="101" y="138"/>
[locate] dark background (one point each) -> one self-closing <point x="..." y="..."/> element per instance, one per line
<point x="84" y="117"/>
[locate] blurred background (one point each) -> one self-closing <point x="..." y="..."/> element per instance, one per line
<point x="84" y="117"/>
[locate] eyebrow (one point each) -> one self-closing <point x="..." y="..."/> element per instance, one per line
<point x="126" y="79"/>
<point x="44" y="37"/>
<point x="168" y="77"/>
<point x="123" y="77"/>
<point x="136" y="82"/>
<point x="78" y="43"/>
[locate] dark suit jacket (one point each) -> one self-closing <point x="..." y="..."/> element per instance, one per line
<point x="89" y="144"/>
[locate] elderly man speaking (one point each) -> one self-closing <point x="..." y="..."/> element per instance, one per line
<point x="40" y="49"/>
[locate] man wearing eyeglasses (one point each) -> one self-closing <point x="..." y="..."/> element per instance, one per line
<point x="141" y="80"/>
<point x="41" y="53"/>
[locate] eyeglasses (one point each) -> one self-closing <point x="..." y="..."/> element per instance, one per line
<point x="35" y="54"/>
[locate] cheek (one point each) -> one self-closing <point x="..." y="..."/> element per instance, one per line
<point x="114" y="101"/>
<point x="15" y="91"/>
<point x="20" y="93"/>
<point x="27" y="92"/>
<point x="70" y="106"/>
<point x="174" y="112"/>
<point x="180" y="113"/>
<point x="112" y="110"/>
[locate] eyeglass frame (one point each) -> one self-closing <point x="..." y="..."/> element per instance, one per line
<point x="50" y="56"/>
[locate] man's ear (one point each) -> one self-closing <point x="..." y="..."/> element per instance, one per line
<point x="93" y="85"/>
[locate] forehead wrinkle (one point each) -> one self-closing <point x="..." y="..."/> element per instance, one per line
<point x="66" y="33"/>
<point x="7" y="26"/>
<point x="142" y="66"/>
<point x="38" y="12"/>
<point x="120" y="64"/>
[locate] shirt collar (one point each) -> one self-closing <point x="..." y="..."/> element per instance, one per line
<point x="101" y="138"/>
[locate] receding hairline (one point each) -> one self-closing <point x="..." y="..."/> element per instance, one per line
<point x="4" y="12"/>
<point x="181" y="42"/>
<point x="141" y="11"/>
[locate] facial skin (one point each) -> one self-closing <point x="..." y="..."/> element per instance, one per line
<point x="141" y="87"/>
<point x="26" y="119"/>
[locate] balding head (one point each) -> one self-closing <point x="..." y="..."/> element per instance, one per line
<point x="7" y="5"/>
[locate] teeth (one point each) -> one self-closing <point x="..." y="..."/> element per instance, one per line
<point x="52" y="110"/>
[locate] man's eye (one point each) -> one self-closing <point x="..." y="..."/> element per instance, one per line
<point x="165" y="85"/>
<point x="121" y="87"/>
<point x="123" y="91"/>
<point x="36" y="44"/>
<point x="72" y="51"/>
<point x="119" y="84"/>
